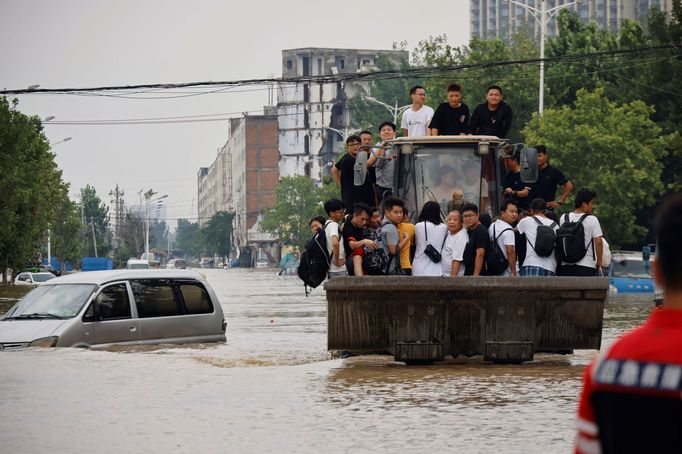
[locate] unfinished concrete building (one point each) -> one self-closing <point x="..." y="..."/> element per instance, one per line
<point x="312" y="115"/>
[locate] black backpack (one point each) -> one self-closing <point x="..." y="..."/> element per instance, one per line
<point x="495" y="261"/>
<point x="545" y="239"/>
<point x="570" y="240"/>
<point x="376" y="261"/>
<point x="315" y="261"/>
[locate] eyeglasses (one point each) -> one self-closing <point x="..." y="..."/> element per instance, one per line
<point x="354" y="144"/>
<point x="469" y="215"/>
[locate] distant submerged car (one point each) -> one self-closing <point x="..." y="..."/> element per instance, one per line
<point x="630" y="273"/>
<point x="262" y="263"/>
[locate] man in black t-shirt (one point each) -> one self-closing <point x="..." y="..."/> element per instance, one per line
<point x="479" y="241"/>
<point x="549" y="177"/>
<point x="344" y="175"/>
<point x="451" y="118"/>
<point x="493" y="117"/>
<point x="513" y="187"/>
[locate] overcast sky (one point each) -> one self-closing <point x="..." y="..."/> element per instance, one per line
<point x="84" y="43"/>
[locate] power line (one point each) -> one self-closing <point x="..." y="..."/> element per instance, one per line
<point x="333" y="78"/>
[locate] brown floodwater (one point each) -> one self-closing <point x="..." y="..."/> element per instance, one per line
<point x="273" y="387"/>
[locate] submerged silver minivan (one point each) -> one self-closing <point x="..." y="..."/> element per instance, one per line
<point x="101" y="308"/>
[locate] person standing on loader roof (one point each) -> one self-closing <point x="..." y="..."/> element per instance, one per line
<point x="451" y="118"/>
<point x="631" y="392"/>
<point x="493" y="117"/>
<point x="416" y="119"/>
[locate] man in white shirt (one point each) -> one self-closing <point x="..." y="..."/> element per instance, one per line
<point x="455" y="243"/>
<point x="502" y="232"/>
<point x="534" y="264"/>
<point x="416" y="119"/>
<point x="335" y="210"/>
<point x="594" y="248"/>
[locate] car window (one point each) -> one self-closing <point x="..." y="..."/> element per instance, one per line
<point x="196" y="299"/>
<point x="113" y="302"/>
<point x="155" y="298"/>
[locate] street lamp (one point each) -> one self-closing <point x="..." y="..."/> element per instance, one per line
<point x="542" y="17"/>
<point x="147" y="196"/>
<point x="395" y="111"/>
<point x="49" y="118"/>
<point x="61" y="141"/>
<point x="345" y="133"/>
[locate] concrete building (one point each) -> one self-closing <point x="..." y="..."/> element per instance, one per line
<point x="243" y="177"/>
<point x="307" y="109"/>
<point x="499" y="18"/>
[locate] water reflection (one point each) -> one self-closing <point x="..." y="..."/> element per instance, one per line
<point x="272" y="387"/>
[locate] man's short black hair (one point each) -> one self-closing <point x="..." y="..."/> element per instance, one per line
<point x="333" y="205"/>
<point x="387" y="123"/>
<point x="538" y="204"/>
<point x="391" y="202"/>
<point x="454" y="87"/>
<point x="360" y="208"/>
<point x="505" y="204"/>
<point x="353" y="138"/>
<point x="414" y="89"/>
<point x="470" y="207"/>
<point x="319" y="219"/>
<point x="541" y="149"/>
<point x="669" y="241"/>
<point x="365" y="132"/>
<point x="584" y="196"/>
<point x="494" y="87"/>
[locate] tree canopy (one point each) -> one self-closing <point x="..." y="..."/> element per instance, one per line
<point x="614" y="149"/>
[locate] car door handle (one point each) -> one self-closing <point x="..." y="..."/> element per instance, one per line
<point x="133" y="329"/>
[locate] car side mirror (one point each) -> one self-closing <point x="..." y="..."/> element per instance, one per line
<point x="360" y="168"/>
<point x="529" y="165"/>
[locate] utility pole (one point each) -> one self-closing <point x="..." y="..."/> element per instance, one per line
<point x="117" y="195"/>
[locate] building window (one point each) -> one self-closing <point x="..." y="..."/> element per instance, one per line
<point x="290" y="64"/>
<point x="319" y="66"/>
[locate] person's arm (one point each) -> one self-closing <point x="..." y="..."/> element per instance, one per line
<point x="393" y="240"/>
<point x="473" y="122"/>
<point x="338" y="261"/>
<point x="336" y="173"/>
<point x="511" y="259"/>
<point x="599" y="250"/>
<point x="455" y="268"/>
<point x="506" y="121"/>
<point x="478" y="264"/>
<point x="433" y="131"/>
<point x="354" y="244"/>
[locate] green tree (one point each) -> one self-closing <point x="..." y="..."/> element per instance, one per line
<point x="187" y="237"/>
<point x="298" y="200"/>
<point x="132" y="232"/>
<point x="158" y="236"/>
<point x="66" y="229"/>
<point x="217" y="233"/>
<point x="31" y="186"/>
<point x="96" y="218"/>
<point x="611" y="148"/>
<point x="366" y="114"/>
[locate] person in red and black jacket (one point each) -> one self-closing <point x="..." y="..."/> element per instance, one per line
<point x="632" y="394"/>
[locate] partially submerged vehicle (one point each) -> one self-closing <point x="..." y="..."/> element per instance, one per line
<point x="121" y="307"/>
<point x="630" y="272"/>
<point x="422" y="319"/>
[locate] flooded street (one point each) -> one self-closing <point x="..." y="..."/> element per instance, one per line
<point x="273" y="387"/>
